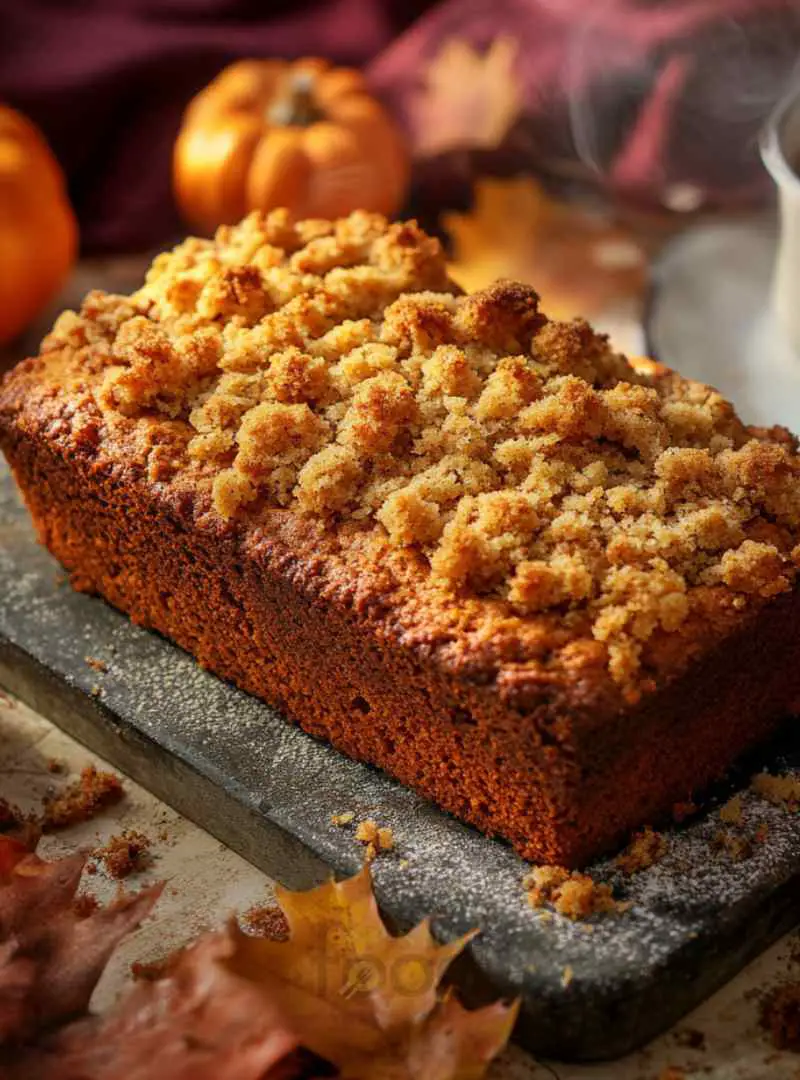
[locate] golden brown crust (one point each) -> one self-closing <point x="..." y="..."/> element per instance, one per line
<point x="527" y="495"/>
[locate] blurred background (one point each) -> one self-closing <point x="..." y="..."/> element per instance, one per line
<point x="569" y="143"/>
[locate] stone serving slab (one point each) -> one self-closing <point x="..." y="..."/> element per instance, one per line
<point x="235" y="766"/>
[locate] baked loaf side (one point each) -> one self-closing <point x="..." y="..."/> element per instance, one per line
<point x="551" y="590"/>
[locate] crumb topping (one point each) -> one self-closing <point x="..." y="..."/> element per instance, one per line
<point x="645" y="850"/>
<point x="779" y="790"/>
<point x="574" y="895"/>
<point x="330" y="368"/>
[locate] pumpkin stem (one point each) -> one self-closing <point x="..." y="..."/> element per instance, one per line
<point x="295" y="106"/>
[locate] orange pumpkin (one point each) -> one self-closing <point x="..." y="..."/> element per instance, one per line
<point x="304" y="135"/>
<point x="38" y="232"/>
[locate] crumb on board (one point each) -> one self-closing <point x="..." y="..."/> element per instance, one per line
<point x="644" y="850"/>
<point x="738" y="848"/>
<point x="96" y="664"/>
<point x="56" y="766"/>
<point x="779" y="790"/>
<point x="731" y="813"/>
<point x="571" y="894"/>
<point x="683" y="810"/>
<point x="124" y="854"/>
<point x="567" y="975"/>
<point x="376" y="838"/>
<point x="84" y="905"/>
<point x="265" y="920"/>
<point x="81" y="800"/>
<point x="780" y="1016"/>
<point x="341" y="820"/>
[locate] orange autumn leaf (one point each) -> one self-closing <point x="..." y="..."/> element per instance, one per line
<point x="581" y="263"/>
<point x="366" y="1001"/>
<point x="470" y="99"/>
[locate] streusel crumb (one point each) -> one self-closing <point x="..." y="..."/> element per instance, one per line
<point x="574" y="895"/>
<point x="331" y="368"/>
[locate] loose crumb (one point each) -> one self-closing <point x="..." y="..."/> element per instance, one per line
<point x="96" y="691"/>
<point x="779" y="790"/>
<point x="567" y="975"/>
<point x="56" y="766"/>
<point x="124" y="854"/>
<point x="737" y="847"/>
<point x="731" y="812"/>
<point x="85" y="905"/>
<point x="81" y="800"/>
<point x="644" y="850"/>
<point x="96" y="664"/>
<point x="780" y="1016"/>
<point x="346" y="818"/>
<point x="573" y="895"/>
<point x="267" y="921"/>
<point x="376" y="838"/>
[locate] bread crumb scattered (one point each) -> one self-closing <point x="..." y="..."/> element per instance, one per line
<point x="731" y="812"/>
<point x="574" y="895"/>
<point x="567" y="975"/>
<point x="346" y="818"/>
<point x="779" y="790"/>
<point x="96" y="664"/>
<point x="644" y="850"/>
<point x="376" y="838"/>
<point x="267" y="921"/>
<point x="56" y="766"/>
<point x="124" y="854"/>
<point x="780" y="1016"/>
<point x="81" y="800"/>
<point x="84" y="905"/>
<point x="737" y="847"/>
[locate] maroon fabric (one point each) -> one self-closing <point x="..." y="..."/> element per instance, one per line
<point x="643" y="94"/>
<point x="107" y="81"/>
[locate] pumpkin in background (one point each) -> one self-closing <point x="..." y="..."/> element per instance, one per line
<point x="305" y="135"/>
<point x="38" y="232"/>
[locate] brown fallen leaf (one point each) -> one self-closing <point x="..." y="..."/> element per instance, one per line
<point x="50" y="956"/>
<point x="580" y="263"/>
<point x="470" y="99"/>
<point x="340" y="992"/>
<point x="364" y="1000"/>
<point x="202" y="1022"/>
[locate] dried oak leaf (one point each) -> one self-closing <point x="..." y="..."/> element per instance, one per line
<point x="470" y="99"/>
<point x="580" y="263"/>
<point x="50" y="956"/>
<point x="368" y="1002"/>
<point x="201" y="1022"/>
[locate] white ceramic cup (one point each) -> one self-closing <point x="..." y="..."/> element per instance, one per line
<point x="780" y="149"/>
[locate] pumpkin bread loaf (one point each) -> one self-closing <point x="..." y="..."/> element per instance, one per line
<point x="550" y="590"/>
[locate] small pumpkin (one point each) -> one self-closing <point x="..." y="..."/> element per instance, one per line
<point x="302" y="134"/>
<point x="38" y="231"/>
